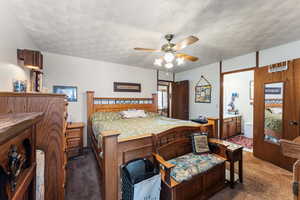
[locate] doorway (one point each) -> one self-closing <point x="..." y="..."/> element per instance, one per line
<point x="276" y="110"/>
<point x="237" y="99"/>
<point x="164" y="93"/>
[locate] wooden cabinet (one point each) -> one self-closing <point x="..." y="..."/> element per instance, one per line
<point x="50" y="134"/>
<point x="231" y="126"/>
<point x="74" y="139"/>
<point x="17" y="155"/>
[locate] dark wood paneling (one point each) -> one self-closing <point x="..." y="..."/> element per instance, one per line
<point x="180" y="100"/>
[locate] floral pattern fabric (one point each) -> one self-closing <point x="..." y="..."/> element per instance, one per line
<point x="137" y="126"/>
<point x="191" y="164"/>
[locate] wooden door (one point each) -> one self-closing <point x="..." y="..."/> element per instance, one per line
<point x="268" y="131"/>
<point x="180" y="100"/>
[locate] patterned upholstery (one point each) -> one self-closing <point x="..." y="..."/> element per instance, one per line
<point x="191" y="164"/>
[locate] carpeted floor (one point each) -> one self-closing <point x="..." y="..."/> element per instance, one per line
<point x="262" y="181"/>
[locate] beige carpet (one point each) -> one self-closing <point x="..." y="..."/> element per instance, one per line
<point x="262" y="181"/>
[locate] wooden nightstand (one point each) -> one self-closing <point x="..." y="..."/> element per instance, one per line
<point x="74" y="139"/>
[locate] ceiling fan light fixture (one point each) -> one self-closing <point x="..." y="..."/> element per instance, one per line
<point x="169" y="57"/>
<point x="169" y="65"/>
<point x="180" y="61"/>
<point x="158" y="62"/>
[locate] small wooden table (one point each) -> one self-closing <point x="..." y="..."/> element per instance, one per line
<point x="211" y="127"/>
<point x="233" y="153"/>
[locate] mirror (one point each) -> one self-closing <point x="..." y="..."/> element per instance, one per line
<point x="273" y="118"/>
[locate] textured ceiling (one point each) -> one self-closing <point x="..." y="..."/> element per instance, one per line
<point x="108" y="30"/>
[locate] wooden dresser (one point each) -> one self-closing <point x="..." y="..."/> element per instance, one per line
<point x="74" y="139"/>
<point x="231" y="126"/>
<point x="17" y="155"/>
<point x="50" y="134"/>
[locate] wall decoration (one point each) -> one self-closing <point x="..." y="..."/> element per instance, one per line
<point x="203" y="91"/>
<point x="127" y="87"/>
<point x="70" y="91"/>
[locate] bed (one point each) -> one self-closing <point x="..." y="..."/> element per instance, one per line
<point x="114" y="142"/>
<point x="273" y="122"/>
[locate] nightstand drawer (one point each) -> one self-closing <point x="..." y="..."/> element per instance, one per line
<point x="74" y="142"/>
<point x="71" y="133"/>
<point x="74" y="152"/>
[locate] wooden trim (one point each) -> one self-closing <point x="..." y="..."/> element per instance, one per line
<point x="257" y="59"/>
<point x="165" y="81"/>
<point x="25" y="94"/>
<point x="239" y="70"/>
<point x="221" y="100"/>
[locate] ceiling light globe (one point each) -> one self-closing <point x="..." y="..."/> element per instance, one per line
<point x="169" y="57"/>
<point x="180" y="61"/>
<point x="158" y="62"/>
<point x="169" y="65"/>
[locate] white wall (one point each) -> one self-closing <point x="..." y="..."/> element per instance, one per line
<point x="280" y="53"/>
<point x="239" y="83"/>
<point x="166" y="76"/>
<point x="211" y="73"/>
<point x="12" y="37"/>
<point x="240" y="62"/>
<point x="94" y="75"/>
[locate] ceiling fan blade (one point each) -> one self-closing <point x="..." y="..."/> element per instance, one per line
<point x="187" y="57"/>
<point x="146" y="49"/>
<point x="184" y="43"/>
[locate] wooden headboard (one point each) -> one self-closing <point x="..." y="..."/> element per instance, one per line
<point x="273" y="103"/>
<point x="107" y="104"/>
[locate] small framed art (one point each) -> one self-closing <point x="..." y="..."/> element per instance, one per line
<point x="69" y="91"/>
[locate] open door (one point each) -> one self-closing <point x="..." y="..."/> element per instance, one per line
<point x="276" y="110"/>
<point x="180" y="100"/>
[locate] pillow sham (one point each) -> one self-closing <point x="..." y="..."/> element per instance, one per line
<point x="200" y="143"/>
<point x="152" y="114"/>
<point x="106" y="116"/>
<point x="133" y="114"/>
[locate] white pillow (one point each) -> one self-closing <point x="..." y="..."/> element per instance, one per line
<point x="276" y="110"/>
<point x="133" y="113"/>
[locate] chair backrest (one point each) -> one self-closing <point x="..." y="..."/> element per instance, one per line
<point x="174" y="142"/>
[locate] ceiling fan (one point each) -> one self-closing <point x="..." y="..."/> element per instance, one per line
<point x="170" y="50"/>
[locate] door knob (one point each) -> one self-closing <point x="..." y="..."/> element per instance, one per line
<point x="294" y="123"/>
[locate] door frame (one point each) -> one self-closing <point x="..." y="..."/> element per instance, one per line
<point x="221" y="106"/>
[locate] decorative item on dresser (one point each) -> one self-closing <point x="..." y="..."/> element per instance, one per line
<point x="231" y="126"/>
<point x="17" y="155"/>
<point x="74" y="138"/>
<point x="50" y="137"/>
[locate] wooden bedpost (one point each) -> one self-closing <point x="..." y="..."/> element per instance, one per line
<point x="110" y="157"/>
<point x="155" y="102"/>
<point x="90" y="109"/>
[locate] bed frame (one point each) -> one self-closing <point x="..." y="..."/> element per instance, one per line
<point x="117" y="152"/>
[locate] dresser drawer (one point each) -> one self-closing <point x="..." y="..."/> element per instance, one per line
<point x="74" y="142"/>
<point x="73" y="133"/>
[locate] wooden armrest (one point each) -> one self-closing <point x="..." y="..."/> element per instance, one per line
<point x="162" y="161"/>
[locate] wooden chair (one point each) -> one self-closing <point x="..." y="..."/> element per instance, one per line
<point x="169" y="148"/>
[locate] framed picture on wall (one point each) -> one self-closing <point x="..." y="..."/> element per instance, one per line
<point x="69" y="91"/>
<point x="127" y="87"/>
<point x="203" y="94"/>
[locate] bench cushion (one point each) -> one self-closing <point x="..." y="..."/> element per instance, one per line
<point x="192" y="164"/>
